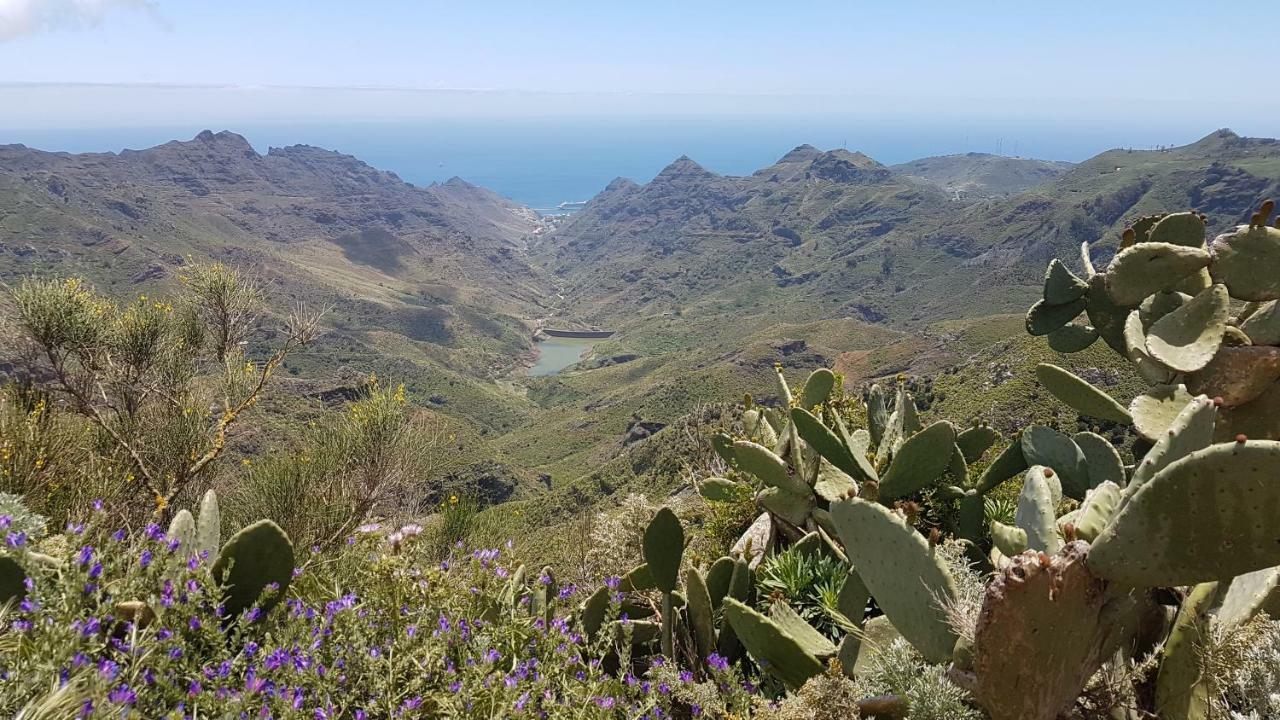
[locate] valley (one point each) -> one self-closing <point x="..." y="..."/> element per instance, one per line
<point x="823" y="259"/>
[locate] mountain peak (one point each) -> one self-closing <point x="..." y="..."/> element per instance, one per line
<point x="223" y="138"/>
<point x="801" y="153"/>
<point x="684" y="167"/>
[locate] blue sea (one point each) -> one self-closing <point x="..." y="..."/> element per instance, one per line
<point x="542" y="162"/>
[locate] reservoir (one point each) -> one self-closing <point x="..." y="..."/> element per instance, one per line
<point x="558" y="353"/>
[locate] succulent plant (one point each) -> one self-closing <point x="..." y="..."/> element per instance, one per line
<point x="255" y="568"/>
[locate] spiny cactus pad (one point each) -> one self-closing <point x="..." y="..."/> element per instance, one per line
<point x="1183" y="228"/>
<point x="253" y="560"/>
<point x="789" y="506"/>
<point x="770" y="469"/>
<point x="1259" y="418"/>
<point x="1011" y="541"/>
<point x="719" y="575"/>
<point x="833" y="483"/>
<point x="1099" y="506"/>
<point x="1238" y="375"/>
<point x="830" y="446"/>
<point x="1043" y="317"/>
<point x="663" y="548"/>
<point x="1072" y="338"/>
<point x="183" y="529"/>
<point x="1061" y="286"/>
<point x="1209" y="516"/>
<point x="1181" y="690"/>
<point x="919" y="462"/>
<point x="1007" y="464"/>
<point x="906" y="576"/>
<point x="775" y="651"/>
<point x="1191" y="429"/>
<point x="1250" y="594"/>
<point x="813" y="642"/>
<point x="208" y="525"/>
<point x="1188" y="338"/>
<point x="1247" y="261"/>
<point x="1101" y="458"/>
<point x="756" y="541"/>
<point x="1154" y="411"/>
<point x="1135" y="348"/>
<point x="1105" y="315"/>
<point x="975" y="441"/>
<point x="1078" y="394"/>
<point x="700" y="612"/>
<point x="1036" y="513"/>
<point x="1040" y="635"/>
<point x="1045" y="446"/>
<point x="1263" y="326"/>
<point x="1146" y="268"/>
<point x="817" y="388"/>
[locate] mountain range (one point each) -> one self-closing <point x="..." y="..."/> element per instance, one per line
<point x="823" y="258"/>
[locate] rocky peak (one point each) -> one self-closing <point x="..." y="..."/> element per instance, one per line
<point x="801" y="154"/>
<point x="848" y="167"/>
<point x="683" y="168"/>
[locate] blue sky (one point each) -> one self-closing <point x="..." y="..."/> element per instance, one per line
<point x="1086" y="61"/>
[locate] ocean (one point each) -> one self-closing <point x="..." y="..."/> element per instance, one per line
<point x="542" y="162"/>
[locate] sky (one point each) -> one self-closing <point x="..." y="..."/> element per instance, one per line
<point x="121" y="62"/>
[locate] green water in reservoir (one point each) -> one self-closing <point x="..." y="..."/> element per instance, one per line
<point x="556" y="354"/>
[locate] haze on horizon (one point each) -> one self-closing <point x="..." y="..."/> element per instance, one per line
<point x="1138" y="66"/>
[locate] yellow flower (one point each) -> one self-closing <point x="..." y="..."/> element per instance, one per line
<point x="453" y="499"/>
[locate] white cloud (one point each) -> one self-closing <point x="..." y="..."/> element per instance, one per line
<point x="28" y="17"/>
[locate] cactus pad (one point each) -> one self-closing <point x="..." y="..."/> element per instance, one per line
<point x="1146" y="268"/>
<point x="1259" y="418"/>
<point x="1105" y="315"/>
<point x="1079" y="394"/>
<point x="1238" y="375"/>
<point x="1192" y="429"/>
<point x="774" y="650"/>
<point x="1036" y="513"/>
<point x="252" y="561"/>
<point x="719" y="575"/>
<point x="1045" y="446"/>
<point x="1247" y="261"/>
<point x="770" y="469"/>
<point x="1043" y="317"/>
<point x="1188" y="338"/>
<point x="1183" y="228"/>
<point x="663" y="548"/>
<point x="1154" y="411"/>
<point x="830" y="446"/>
<point x="1007" y="464"/>
<point x="756" y="541"/>
<point x="906" y="576"/>
<point x="1040" y="636"/>
<point x="183" y="529"/>
<point x="1135" y="348"/>
<point x="1210" y="515"/>
<point x="975" y="441"/>
<point x="700" y="612"/>
<point x="1263" y="326"/>
<point x="919" y="462"/>
<point x="1250" y="594"/>
<point x="1101" y="458"/>
<point x="1061" y="286"/>
<point x="817" y="388"/>
<point x="789" y="506"/>
<point x="792" y="624"/>
<point x="1099" y="506"/>
<point x="208" y="525"/>
<point x="1181" y="690"/>
<point x="1072" y="338"/>
<point x="1010" y="541"/>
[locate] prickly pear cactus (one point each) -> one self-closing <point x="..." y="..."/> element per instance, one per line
<point x="773" y="649"/>
<point x="903" y="572"/>
<point x="1207" y="516"/>
<point x="183" y="529"/>
<point x="663" y="549"/>
<point x="208" y="526"/>
<point x="255" y="566"/>
<point x="1042" y="633"/>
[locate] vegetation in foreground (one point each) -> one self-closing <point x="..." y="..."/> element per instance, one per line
<point x="890" y="571"/>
